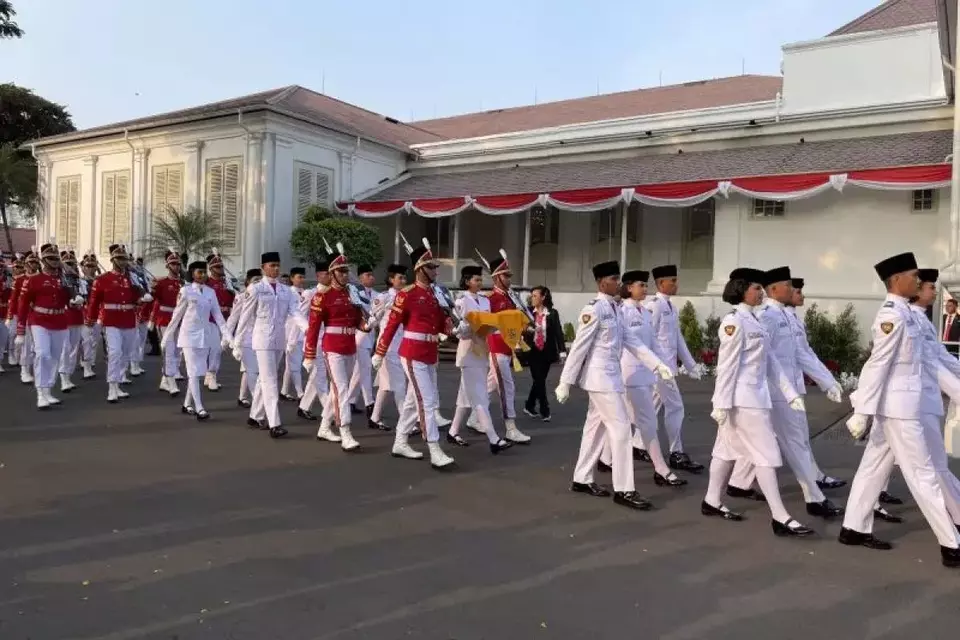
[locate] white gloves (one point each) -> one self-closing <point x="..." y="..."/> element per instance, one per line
<point x="462" y="329"/>
<point x="797" y="404"/>
<point x="291" y="347"/>
<point x="376" y="361"/>
<point x="309" y="364"/>
<point x="77" y="301"/>
<point x="146" y="298"/>
<point x="663" y="372"/>
<point x="226" y="341"/>
<point x="563" y="392"/>
<point x="719" y="416"/>
<point x="237" y="354"/>
<point x="694" y="374"/>
<point x="563" y="356"/>
<point x="857" y="425"/>
<point x="151" y="326"/>
<point x="18" y="342"/>
<point x="835" y="394"/>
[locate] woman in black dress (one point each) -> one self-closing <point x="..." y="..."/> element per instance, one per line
<point x="547" y="346"/>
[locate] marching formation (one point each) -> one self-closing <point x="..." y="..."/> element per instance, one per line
<point x="361" y="349"/>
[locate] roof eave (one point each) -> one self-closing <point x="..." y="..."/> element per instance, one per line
<point x="947" y="27"/>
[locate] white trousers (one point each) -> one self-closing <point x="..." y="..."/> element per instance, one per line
<point x="392" y="381"/>
<point x="266" y="394"/>
<point x="362" y="378"/>
<point x="748" y="433"/>
<point x="643" y="415"/>
<point x="793" y="437"/>
<point x="904" y="442"/>
<point x="196" y="361"/>
<point x="47" y="347"/>
<point x="667" y="396"/>
<point x="140" y="350"/>
<point x="500" y="379"/>
<point x="121" y="345"/>
<point x="11" y="335"/>
<point x="4" y="339"/>
<point x="251" y="372"/>
<point x="88" y="345"/>
<point x="213" y="338"/>
<point x="26" y="355"/>
<point x="293" y="371"/>
<point x="70" y="354"/>
<point x="421" y="402"/>
<point x="317" y="385"/>
<point x="607" y="419"/>
<point x="171" y="356"/>
<point x="938" y="454"/>
<point x="336" y="409"/>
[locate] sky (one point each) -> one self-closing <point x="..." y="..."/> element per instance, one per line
<point x="113" y="60"/>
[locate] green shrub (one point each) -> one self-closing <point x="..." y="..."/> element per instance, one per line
<point x="361" y="241"/>
<point x="711" y="334"/>
<point x="690" y="329"/>
<point x="569" y="333"/>
<point x="835" y="341"/>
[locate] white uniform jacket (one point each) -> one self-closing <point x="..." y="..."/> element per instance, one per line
<point x="746" y="365"/>
<point x="775" y="318"/>
<point x="943" y="377"/>
<point x="472" y="350"/>
<point x="593" y="361"/>
<point x="268" y="308"/>
<point x="295" y="335"/>
<point x="191" y="317"/>
<point x="242" y="334"/>
<point x="807" y="359"/>
<point x="891" y="381"/>
<point x="381" y="305"/>
<point x="637" y="320"/>
<point x="666" y="330"/>
<point x="366" y="339"/>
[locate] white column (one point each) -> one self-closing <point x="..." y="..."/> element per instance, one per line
<point x="396" y="238"/>
<point x="954" y="268"/>
<point x="142" y="157"/>
<point x="268" y="177"/>
<point x="345" y="191"/>
<point x="253" y="225"/>
<point x="526" y="247"/>
<point x="194" y="172"/>
<point x="624" y="215"/>
<point x="138" y="229"/>
<point x="455" y="231"/>
<point x="90" y="162"/>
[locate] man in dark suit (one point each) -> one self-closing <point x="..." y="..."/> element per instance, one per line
<point x="951" y="327"/>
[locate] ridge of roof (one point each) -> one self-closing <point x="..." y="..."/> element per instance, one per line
<point x="890" y="15"/>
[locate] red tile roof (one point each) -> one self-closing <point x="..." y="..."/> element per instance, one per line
<point x="828" y="156"/>
<point x="23" y="239"/>
<point x="681" y="97"/>
<point x="892" y="14"/>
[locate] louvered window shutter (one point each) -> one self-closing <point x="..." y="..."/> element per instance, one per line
<point x="63" y="209"/>
<point x="304" y="190"/>
<point x="108" y="212"/>
<point x="231" y="205"/>
<point x="73" y="213"/>
<point x="323" y="189"/>
<point x="121" y="215"/>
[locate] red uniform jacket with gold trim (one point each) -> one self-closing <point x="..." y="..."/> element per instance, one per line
<point x="43" y="303"/>
<point x="165" y="293"/>
<point x="334" y="311"/>
<point x="417" y="309"/>
<point x="499" y="301"/>
<point x="113" y="301"/>
<point x="13" y="308"/>
<point x="224" y="296"/>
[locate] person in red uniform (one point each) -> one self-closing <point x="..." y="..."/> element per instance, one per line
<point x="5" y="290"/>
<point x="113" y="303"/>
<point x="340" y="319"/>
<point x="165" y="293"/>
<point x="500" y="378"/>
<point x="24" y="351"/>
<point x="70" y="354"/>
<point x="19" y="272"/>
<point x="43" y="305"/>
<point x="217" y="280"/>
<point x="417" y="310"/>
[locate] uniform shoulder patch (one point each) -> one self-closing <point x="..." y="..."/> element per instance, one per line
<point x="586" y="318"/>
<point x="886" y="327"/>
<point x="888" y="304"/>
<point x="729" y="329"/>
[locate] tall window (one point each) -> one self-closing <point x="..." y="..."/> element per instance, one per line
<point x="223" y="199"/>
<point x="115" y="210"/>
<point x="68" y="210"/>
<point x="167" y="190"/>
<point x="438" y="232"/>
<point x="314" y="186"/>
<point x="697" y="249"/>
<point x="544" y="226"/>
<point x="608" y="225"/>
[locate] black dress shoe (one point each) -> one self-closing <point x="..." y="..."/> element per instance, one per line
<point x="886" y="498"/>
<point x="188" y="410"/>
<point x="591" y="488"/>
<point x="287" y="397"/>
<point x="306" y="415"/>
<point x="254" y="424"/>
<point x="641" y="455"/>
<point x="353" y="409"/>
<point x="669" y="481"/>
<point x="203" y="415"/>
<point x="277" y="432"/>
<point x="603" y="466"/>
<point x="379" y="426"/>
<point x="783" y="529"/>
<point x="457" y="440"/>
<point x="502" y="445"/>
<point x="886" y="516"/>
<point x="243" y="403"/>
<point x="632" y="500"/>
<point x="825" y="509"/>
<point x="719" y="512"/>
<point x="853" y="538"/>
<point x="749" y="494"/>
<point x="682" y="462"/>
<point x="950" y="557"/>
<point x="831" y="483"/>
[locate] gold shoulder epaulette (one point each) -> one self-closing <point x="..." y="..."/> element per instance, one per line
<point x="408" y="288"/>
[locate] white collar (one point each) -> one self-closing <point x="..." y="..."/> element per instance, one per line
<point x="745" y="308"/>
<point x="774" y="303"/>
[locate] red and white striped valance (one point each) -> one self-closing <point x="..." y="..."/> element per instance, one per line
<point x="676" y="194"/>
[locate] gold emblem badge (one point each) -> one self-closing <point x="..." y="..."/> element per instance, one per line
<point x="729" y="329"/>
<point x="586" y="318"/>
<point x="886" y="327"/>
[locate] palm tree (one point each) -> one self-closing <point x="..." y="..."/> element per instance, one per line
<point x="18" y="185"/>
<point x="8" y="28"/>
<point x="195" y="232"/>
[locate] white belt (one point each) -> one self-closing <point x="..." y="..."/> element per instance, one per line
<point x="420" y="337"/>
<point x="168" y="309"/>
<point x="119" y="307"/>
<point x="349" y="331"/>
<point x="48" y="312"/>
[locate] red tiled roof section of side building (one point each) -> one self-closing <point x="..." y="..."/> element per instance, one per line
<point x="701" y="94"/>
<point x="890" y="15"/>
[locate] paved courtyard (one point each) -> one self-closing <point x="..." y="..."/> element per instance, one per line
<point x="134" y="521"/>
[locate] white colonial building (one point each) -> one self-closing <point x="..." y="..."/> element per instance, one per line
<point x="843" y="160"/>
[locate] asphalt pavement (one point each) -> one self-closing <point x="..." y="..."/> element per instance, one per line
<point x="134" y="521"/>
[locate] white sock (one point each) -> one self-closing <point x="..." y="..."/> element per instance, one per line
<point x="767" y="479"/>
<point x="720" y="471"/>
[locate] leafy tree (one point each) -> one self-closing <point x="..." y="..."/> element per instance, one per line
<point x="691" y="330"/>
<point x="8" y="28"/>
<point x="18" y="186"/>
<point x="835" y="341"/>
<point x="361" y="241"/>
<point x="192" y="233"/>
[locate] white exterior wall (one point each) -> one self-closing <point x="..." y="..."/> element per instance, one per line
<point x="863" y="69"/>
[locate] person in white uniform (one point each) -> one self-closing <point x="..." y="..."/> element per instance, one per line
<point x="292" y="388"/>
<point x="666" y="329"/>
<point x="242" y="343"/>
<point x="361" y="379"/>
<point x="890" y="390"/>
<point x="196" y="304"/>
<point x="391" y="380"/>
<point x="791" y="428"/>
<point x="473" y="360"/>
<point x="593" y="364"/>
<point x="268" y="307"/>
<point x="746" y="369"/>
<point x="24" y="349"/>
<point x="317" y="384"/>
<point x="639" y="380"/>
